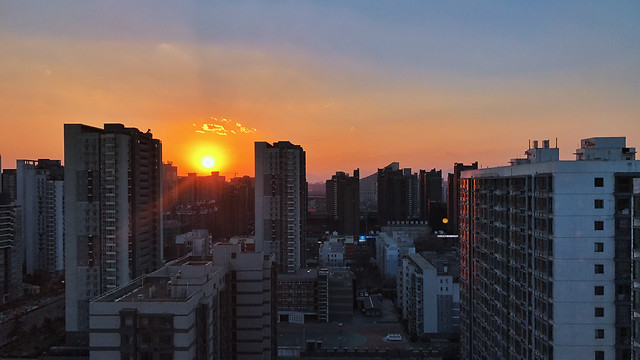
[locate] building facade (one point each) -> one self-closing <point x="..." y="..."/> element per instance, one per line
<point x="252" y="280"/>
<point x="547" y="255"/>
<point x="390" y="249"/>
<point x="369" y="194"/>
<point x="113" y="214"/>
<point x="196" y="307"/>
<point x="343" y="203"/>
<point x="398" y="194"/>
<point x="40" y="185"/>
<point x="298" y="296"/>
<point x="332" y="254"/>
<point x="453" y="186"/>
<point x="335" y="295"/>
<point x="11" y="253"/>
<point x="281" y="202"/>
<point x="169" y="186"/>
<point x="428" y="295"/>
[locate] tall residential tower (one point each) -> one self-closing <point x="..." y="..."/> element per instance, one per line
<point x="281" y="202"/>
<point x="343" y="202"/>
<point x="40" y="194"/>
<point x="548" y="252"/>
<point x="113" y="203"/>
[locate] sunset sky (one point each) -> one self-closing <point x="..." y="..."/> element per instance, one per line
<point x="358" y="84"/>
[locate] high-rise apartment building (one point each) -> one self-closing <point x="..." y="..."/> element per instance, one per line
<point x="200" y="189"/>
<point x="39" y="186"/>
<point x="549" y="255"/>
<point x="369" y="194"/>
<point x="431" y="196"/>
<point x="343" y="202"/>
<point x="169" y="186"/>
<point x="452" y="194"/>
<point x="398" y="194"/>
<point x="10" y="250"/>
<point x="281" y="202"/>
<point x="9" y="184"/>
<point x="113" y="208"/>
<point x="237" y="207"/>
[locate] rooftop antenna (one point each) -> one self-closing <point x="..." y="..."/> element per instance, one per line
<point x="556" y="142"/>
<point x="529" y="143"/>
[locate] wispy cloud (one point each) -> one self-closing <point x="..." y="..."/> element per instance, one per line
<point x="223" y="127"/>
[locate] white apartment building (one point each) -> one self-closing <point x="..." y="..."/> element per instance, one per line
<point x="40" y="185"/>
<point x="281" y="202"/>
<point x="548" y="252"/>
<point x="113" y="214"/>
<point x="331" y="254"/>
<point x="429" y="297"/>
<point x="389" y="252"/>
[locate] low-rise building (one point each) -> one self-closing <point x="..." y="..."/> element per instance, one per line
<point x="197" y="242"/>
<point x="332" y="254"/>
<point x="429" y="294"/>
<point x="390" y="249"/>
<point x="335" y="295"/>
<point x="297" y="295"/>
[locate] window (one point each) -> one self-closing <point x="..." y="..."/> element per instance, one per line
<point x="598" y="268"/>
<point x="598" y="225"/>
<point x="599" y="333"/>
<point x="598" y="203"/>
<point x="598" y="290"/>
<point x="599" y="312"/>
<point x="598" y="247"/>
<point x="598" y="182"/>
<point x="599" y="355"/>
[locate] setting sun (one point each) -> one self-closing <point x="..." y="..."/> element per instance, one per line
<point x="208" y="162"/>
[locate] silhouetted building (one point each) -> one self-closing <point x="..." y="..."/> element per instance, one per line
<point x="281" y="202"/>
<point x="170" y="230"/>
<point x="9" y="183"/>
<point x="10" y="250"/>
<point x="452" y="194"/>
<point x="193" y="189"/>
<point x="237" y="207"/>
<point x="343" y="202"/>
<point x="335" y="294"/>
<point x="430" y="195"/>
<point x="548" y="249"/>
<point x="40" y="186"/>
<point x="169" y="186"/>
<point x="113" y="210"/>
<point x="369" y="194"/>
<point x="398" y="194"/>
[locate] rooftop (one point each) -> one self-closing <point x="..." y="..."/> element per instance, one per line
<point x="177" y="281"/>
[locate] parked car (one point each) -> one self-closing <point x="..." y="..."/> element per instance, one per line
<point x="393" y="337"/>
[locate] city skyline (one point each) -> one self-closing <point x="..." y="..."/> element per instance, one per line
<point x="440" y="83"/>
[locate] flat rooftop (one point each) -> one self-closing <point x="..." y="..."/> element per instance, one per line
<point x="175" y="282"/>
